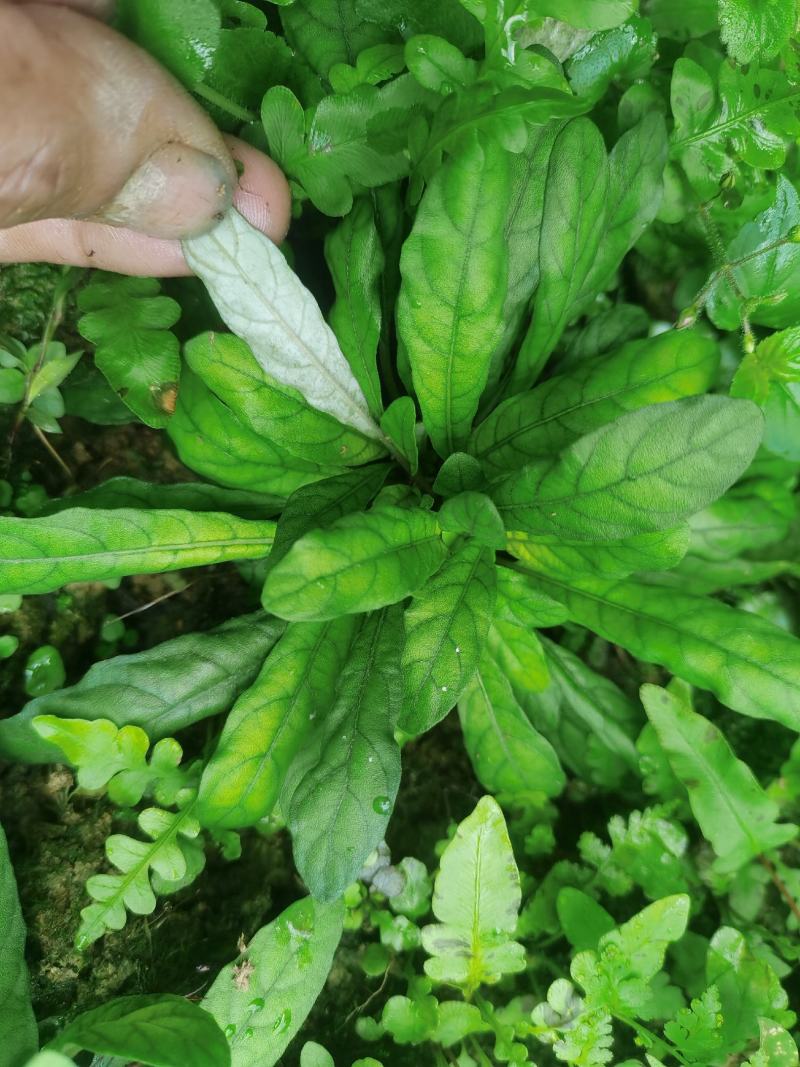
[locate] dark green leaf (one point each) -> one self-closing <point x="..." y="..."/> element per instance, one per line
<point x="644" y="472"/>
<point x="541" y="422"/>
<point x="446" y="627"/>
<point x="277" y="413"/>
<point x="341" y="787"/>
<point x="18" y="1034"/>
<point x="129" y="323"/>
<point x="355" y="259"/>
<point x="360" y="562"/>
<point x="212" y="441"/>
<point x="450" y="312"/>
<point x="750" y="664"/>
<point x="159" y="1030"/>
<point x="162" y="690"/>
<point x="243" y="779"/>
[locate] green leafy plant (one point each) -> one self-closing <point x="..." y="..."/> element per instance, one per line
<point x="508" y="429"/>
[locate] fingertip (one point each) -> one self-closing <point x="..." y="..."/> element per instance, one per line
<point x="263" y="194"/>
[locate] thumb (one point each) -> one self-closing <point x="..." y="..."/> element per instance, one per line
<point x="93" y="128"/>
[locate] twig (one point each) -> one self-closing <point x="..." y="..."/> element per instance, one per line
<point x="43" y="438"/>
<point x="158" y="600"/>
<point x="375" y="993"/>
<point x="780" y="885"/>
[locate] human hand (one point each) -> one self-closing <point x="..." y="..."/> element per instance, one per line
<point x="107" y="162"/>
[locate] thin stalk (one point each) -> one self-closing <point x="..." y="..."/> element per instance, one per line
<point x="221" y="101"/>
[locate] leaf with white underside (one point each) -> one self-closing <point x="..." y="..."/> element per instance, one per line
<point x="264" y="302"/>
<point x="87" y="545"/>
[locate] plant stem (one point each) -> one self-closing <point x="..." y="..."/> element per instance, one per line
<point x="223" y="103"/>
<point x="780" y="885"/>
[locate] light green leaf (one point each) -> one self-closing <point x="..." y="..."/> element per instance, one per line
<point x="625" y="52"/>
<point x="589" y="721"/>
<point x="616" y="976"/>
<point x="290" y="959"/>
<point x="446" y="627"/>
<point x="264" y="302"/>
<point x="399" y="423"/>
<point x="509" y="755"/>
<point x="170" y="859"/>
<point x="518" y="653"/>
<point x="129" y="322"/>
<point x="212" y="441"/>
<point x="646" y="471"/>
<point x="163" y="689"/>
<point x="437" y="64"/>
<point x="273" y="411"/>
<point x="83" y="545"/>
<point x="749" y="988"/>
<point x="160" y="1030"/>
<point x="776" y="1048"/>
<point x="243" y="779"/>
<point x="473" y="514"/>
<point x="360" y="562"/>
<point x="18" y="1033"/>
<point x="319" y="505"/>
<point x="476" y="900"/>
<point x="373" y="66"/>
<point x="523" y="605"/>
<point x="771" y="376"/>
<point x="450" y="311"/>
<point x="58" y="364"/>
<point x="658" y="551"/>
<point x="182" y="36"/>
<point x="341" y="786"/>
<point x="355" y="259"/>
<point x="749" y="517"/>
<point x="770" y="276"/>
<point x="314" y="1055"/>
<point x="125" y="492"/>
<point x="50" y="1059"/>
<point x="325" y="32"/>
<point x="734" y="812"/>
<point x="589" y="14"/>
<point x="572" y="226"/>
<point x="744" y="113"/>
<point x="756" y="29"/>
<point x="750" y="664"/>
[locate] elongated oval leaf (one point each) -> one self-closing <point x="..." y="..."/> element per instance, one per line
<point x="273" y="411"/>
<point x="242" y="781"/>
<point x="18" y="1034"/>
<point x="361" y="562"/>
<point x="508" y="753"/>
<point x="212" y="441"/>
<point x="572" y="226"/>
<point x="749" y="663"/>
<point x="341" y="788"/>
<point x="355" y="259"/>
<point x="264" y="302"/>
<point x="84" y="545"/>
<point x="544" y="420"/>
<point x="450" y="310"/>
<point x="446" y="628"/>
<point x="476" y="900"/>
<point x="734" y="812"/>
<point x="162" y="690"/>
<point x="644" y="472"/>
<point x="290" y="960"/>
<point x="159" y="1030"/>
